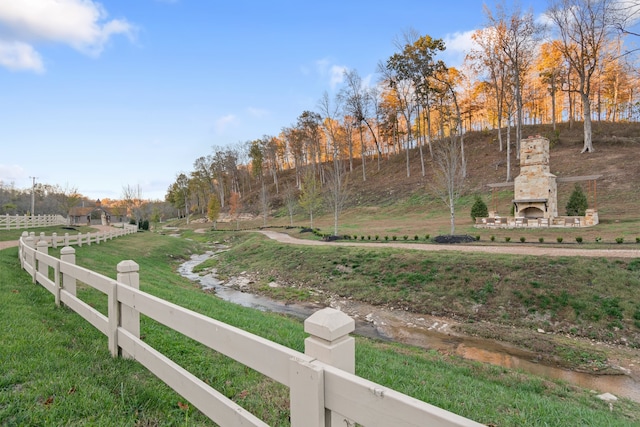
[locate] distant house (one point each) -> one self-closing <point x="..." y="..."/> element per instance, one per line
<point x="98" y="214"/>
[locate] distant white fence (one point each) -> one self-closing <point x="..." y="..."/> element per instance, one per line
<point x="13" y="222"/>
<point x="323" y="388"/>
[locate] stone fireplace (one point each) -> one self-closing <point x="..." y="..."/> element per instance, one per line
<point x="535" y="189"/>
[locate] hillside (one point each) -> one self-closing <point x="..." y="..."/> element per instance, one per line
<point x="390" y="202"/>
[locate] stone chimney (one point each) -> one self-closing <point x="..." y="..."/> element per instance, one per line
<point x="535" y="189"/>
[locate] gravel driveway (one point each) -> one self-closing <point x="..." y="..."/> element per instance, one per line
<point x="512" y="249"/>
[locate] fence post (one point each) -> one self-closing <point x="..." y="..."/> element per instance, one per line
<point x="21" y="253"/>
<point x="80" y="240"/>
<point x="330" y="343"/>
<point x="54" y="240"/>
<point x="68" y="255"/>
<point x="128" y="274"/>
<point x="66" y="239"/>
<point x="42" y="246"/>
<point x="306" y="394"/>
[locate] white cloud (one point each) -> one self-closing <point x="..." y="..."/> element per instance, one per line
<point x="225" y="122"/>
<point x="81" y="24"/>
<point x="337" y="75"/>
<point x="18" y="56"/>
<point x="457" y="46"/>
<point x="368" y="81"/>
<point x="11" y="173"/>
<point x="258" y="112"/>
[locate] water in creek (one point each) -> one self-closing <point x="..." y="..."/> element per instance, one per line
<point x="471" y="348"/>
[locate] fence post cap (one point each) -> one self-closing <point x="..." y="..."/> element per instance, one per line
<point x="42" y="243"/>
<point x="127" y="266"/>
<point x="67" y="250"/>
<point x="329" y="324"/>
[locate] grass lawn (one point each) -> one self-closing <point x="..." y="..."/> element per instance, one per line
<point x="56" y="369"/>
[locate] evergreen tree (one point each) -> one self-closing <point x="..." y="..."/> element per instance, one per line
<point x="577" y="204"/>
<point x="479" y="209"/>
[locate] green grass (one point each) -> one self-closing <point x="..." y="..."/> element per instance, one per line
<point x="56" y="369"/>
<point x="6" y="235"/>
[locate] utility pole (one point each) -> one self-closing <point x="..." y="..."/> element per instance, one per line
<point x="33" y="196"/>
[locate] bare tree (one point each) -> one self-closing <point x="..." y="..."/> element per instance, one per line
<point x="290" y="200"/>
<point x="448" y="181"/>
<point x="358" y="100"/>
<point x="132" y="196"/>
<point x="69" y="198"/>
<point x="337" y="183"/>
<point x="310" y="196"/>
<point x="335" y="173"/>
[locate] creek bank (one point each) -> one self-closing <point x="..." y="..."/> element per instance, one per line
<point x="619" y="375"/>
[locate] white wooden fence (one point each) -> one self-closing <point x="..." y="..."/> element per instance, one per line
<point x="13" y="222"/>
<point x="323" y="388"/>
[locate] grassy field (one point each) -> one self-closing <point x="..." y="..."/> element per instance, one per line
<point x="56" y="369"/>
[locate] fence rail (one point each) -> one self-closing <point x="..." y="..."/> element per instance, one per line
<point x="323" y="388"/>
<point x="15" y="222"/>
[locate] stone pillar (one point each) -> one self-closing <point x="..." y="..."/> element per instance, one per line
<point x="330" y="343"/>
<point x="591" y="217"/>
<point x="68" y="255"/>
<point x="128" y="274"/>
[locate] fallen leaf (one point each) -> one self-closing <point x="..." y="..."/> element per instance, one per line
<point x="183" y="406"/>
<point x="243" y="394"/>
<point x="49" y="401"/>
<point x="72" y="390"/>
<point x="15" y="291"/>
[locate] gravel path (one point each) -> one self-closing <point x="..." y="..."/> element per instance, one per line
<point x="8" y="244"/>
<point x="514" y="249"/>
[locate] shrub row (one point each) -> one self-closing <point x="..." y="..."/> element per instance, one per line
<point x="559" y="239"/>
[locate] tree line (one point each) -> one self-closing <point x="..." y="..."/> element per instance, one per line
<point x="574" y="67"/>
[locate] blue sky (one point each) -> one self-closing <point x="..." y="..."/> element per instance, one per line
<point x="101" y="95"/>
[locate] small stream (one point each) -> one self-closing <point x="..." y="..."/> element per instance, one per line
<point x="471" y="348"/>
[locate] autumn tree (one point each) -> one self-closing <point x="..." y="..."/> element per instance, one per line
<point x="257" y="167"/>
<point x="309" y="124"/>
<point x="516" y="35"/>
<point x="489" y="60"/>
<point x="417" y="64"/>
<point x="551" y="71"/>
<point x="583" y="28"/>
<point x="213" y="210"/>
<point x="182" y="194"/>
<point x="235" y="204"/>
